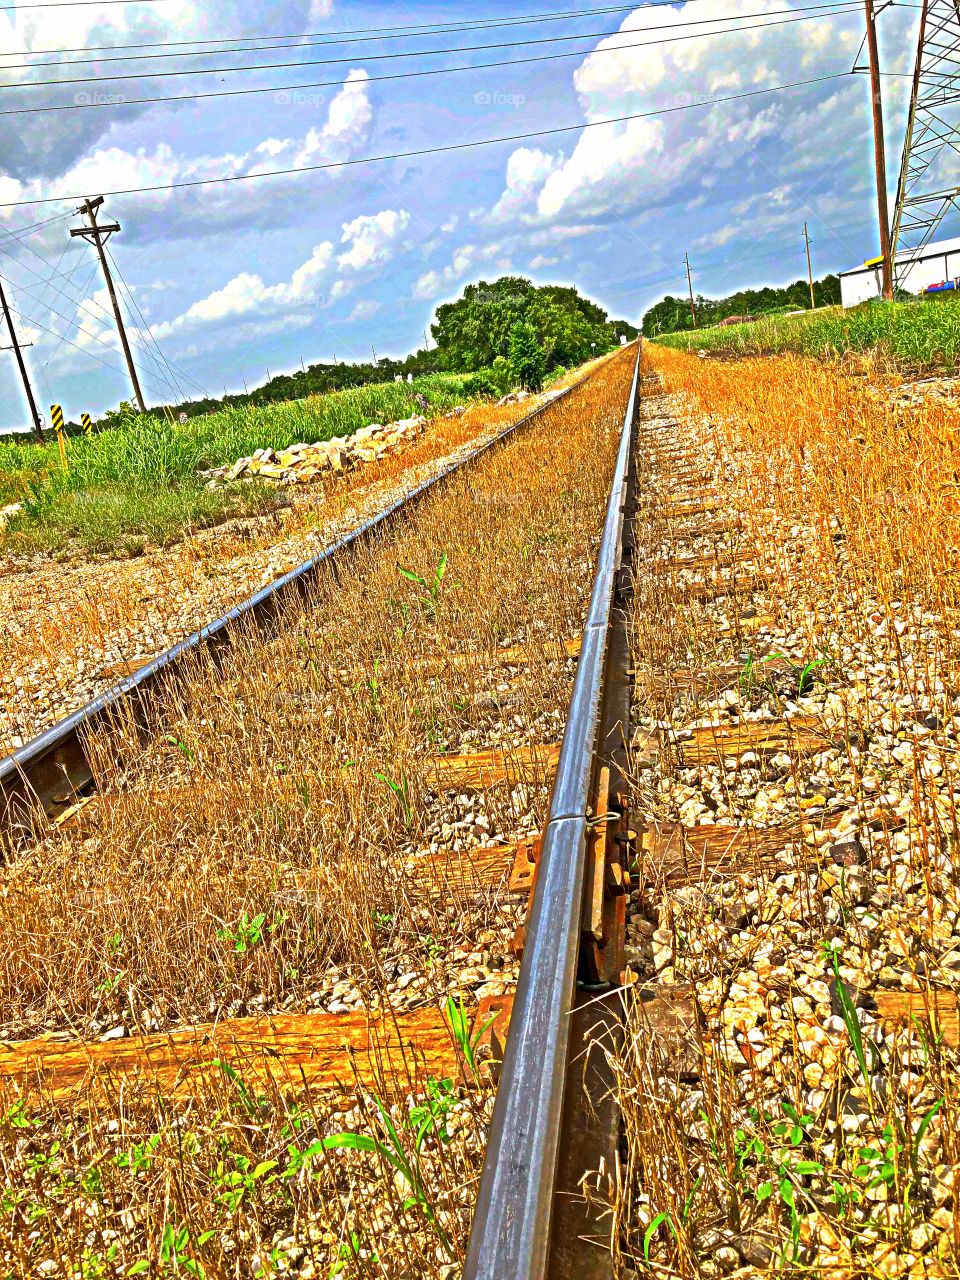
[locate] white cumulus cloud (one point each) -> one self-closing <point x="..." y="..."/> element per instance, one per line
<point x="371" y="238"/>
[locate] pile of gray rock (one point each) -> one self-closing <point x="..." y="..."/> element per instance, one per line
<point x="301" y="463"/>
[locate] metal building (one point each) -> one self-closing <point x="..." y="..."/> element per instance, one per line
<point x="914" y="271"/>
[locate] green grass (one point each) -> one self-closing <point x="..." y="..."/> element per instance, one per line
<point x="918" y="336"/>
<point x="139" y="483"/>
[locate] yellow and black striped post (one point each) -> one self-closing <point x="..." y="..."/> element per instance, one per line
<point x="56" y="417"/>
<point x="87" y="424"/>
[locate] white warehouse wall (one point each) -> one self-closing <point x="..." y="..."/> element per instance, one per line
<point x="938" y="261"/>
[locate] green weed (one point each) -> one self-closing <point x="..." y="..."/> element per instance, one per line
<point x="429" y="588"/>
<point x="401" y="790"/>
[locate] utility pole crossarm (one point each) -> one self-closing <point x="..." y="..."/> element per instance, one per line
<point x="97" y="233"/>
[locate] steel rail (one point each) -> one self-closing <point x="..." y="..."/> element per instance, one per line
<point x="511" y="1234"/>
<point x="53" y="769"/>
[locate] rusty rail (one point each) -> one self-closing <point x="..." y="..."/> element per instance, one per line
<point x="554" y="1117"/>
<point x="53" y="770"/>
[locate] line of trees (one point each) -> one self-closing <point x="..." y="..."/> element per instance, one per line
<point x="672" y="315"/>
<point x="476" y="334"/>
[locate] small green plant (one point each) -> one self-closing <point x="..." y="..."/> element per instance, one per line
<point x="176" y="1253"/>
<point x="429" y="589"/>
<point x="786" y="1170"/>
<point x="243" y="1181"/>
<point x="252" y="1104"/>
<point x="431" y="946"/>
<point x="111" y="983"/>
<point x="806" y="677"/>
<point x="665" y="1218"/>
<point x="803" y="676"/>
<point x="349" y="1251"/>
<point x="851" y="1022"/>
<point x="389" y="1146"/>
<point x="182" y="747"/>
<point x="94" y="1266"/>
<point x="372" y="685"/>
<point x="431" y="1115"/>
<point x="405" y="613"/>
<point x="246" y="934"/>
<point x="41" y="494"/>
<point x="878" y="1165"/>
<point x="16" y="1117"/>
<point x="460" y="1027"/>
<point x="401" y="790"/>
<point x="139" y="1159"/>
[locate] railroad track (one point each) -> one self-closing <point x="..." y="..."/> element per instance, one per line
<point x="554" y="1119"/>
<point x="613" y="887"/>
<point x="50" y="774"/>
<point x="575" y="876"/>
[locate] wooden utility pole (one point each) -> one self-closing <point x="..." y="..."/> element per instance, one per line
<point x="98" y="234"/>
<point x="693" y="310"/>
<point x="15" y="347"/>
<point x="806" y="241"/>
<point x="878" y="151"/>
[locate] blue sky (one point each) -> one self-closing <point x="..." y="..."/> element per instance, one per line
<point x="232" y="281"/>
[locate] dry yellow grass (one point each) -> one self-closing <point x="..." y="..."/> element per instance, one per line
<point x="259" y="840"/>
<point x="761" y="1140"/>
<point x="72" y="621"/>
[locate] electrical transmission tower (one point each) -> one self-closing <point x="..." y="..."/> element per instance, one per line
<point x="928" y="188"/>
<point x="98" y="233"/>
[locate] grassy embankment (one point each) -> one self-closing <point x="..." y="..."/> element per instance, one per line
<point x="912" y="335"/>
<point x="139" y="483"/>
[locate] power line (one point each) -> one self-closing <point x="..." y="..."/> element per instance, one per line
<point x="384" y="33"/>
<point x="119" y="101"/>
<point x="837" y="7"/>
<point x="79" y="303"/>
<point x="48" y="280"/>
<point x="70" y="4"/>
<point x="60" y="338"/>
<point x="159" y="377"/>
<point x="17" y="232"/>
<point x="146" y="332"/>
<point x="70" y="320"/>
<point x="431" y="151"/>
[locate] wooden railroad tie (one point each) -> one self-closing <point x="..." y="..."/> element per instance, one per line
<point x="518" y="655"/>
<point x="533" y="764"/>
<point x="708" y="743"/>
<point x="668" y="1015"/>
<point x="479" y="868"/>
<point x="322" y="1051"/>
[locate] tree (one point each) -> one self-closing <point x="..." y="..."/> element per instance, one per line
<point x="474" y="331"/>
<point x="671" y="315"/>
<point x="526" y="356"/>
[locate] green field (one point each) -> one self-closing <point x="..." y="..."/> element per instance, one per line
<point x="918" y="336"/>
<point x="138" y="483"/>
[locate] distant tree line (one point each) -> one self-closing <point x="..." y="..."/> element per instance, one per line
<point x="538" y="327"/>
<point x="671" y="315"/>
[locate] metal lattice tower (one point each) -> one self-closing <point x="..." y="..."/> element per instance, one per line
<point x="930" y="169"/>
